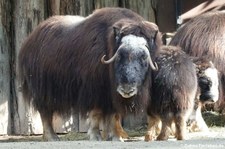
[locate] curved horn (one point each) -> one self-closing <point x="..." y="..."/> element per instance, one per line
<point x="110" y="60"/>
<point x="154" y="65"/>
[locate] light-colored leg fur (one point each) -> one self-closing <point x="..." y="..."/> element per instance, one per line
<point x="112" y="129"/>
<point x="198" y="123"/>
<point x="180" y="124"/>
<point x="94" y="120"/>
<point x="119" y="131"/>
<point x="153" y="123"/>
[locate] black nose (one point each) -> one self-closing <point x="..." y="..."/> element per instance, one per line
<point x="206" y="98"/>
<point x="127" y="90"/>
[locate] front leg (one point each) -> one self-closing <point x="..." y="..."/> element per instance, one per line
<point x="94" y="119"/>
<point x="118" y="129"/>
<point x="200" y="122"/>
<point x="152" y="129"/>
<point x="112" y="128"/>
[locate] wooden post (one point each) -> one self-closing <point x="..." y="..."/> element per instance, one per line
<point x="5" y="49"/>
<point x="28" y="15"/>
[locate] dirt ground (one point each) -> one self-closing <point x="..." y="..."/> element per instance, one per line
<point x="215" y="138"/>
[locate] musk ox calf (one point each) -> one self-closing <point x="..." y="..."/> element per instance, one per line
<point x="185" y="83"/>
<point x="63" y="67"/>
<point x="204" y="36"/>
<point x="173" y="93"/>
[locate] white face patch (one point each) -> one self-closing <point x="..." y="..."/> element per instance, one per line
<point x="135" y="43"/>
<point x="212" y="74"/>
<point x="133" y="40"/>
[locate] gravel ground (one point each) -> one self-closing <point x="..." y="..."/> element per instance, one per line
<point x="213" y="139"/>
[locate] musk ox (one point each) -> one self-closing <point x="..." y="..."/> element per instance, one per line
<point x="208" y="92"/>
<point x="204" y="36"/>
<point x="185" y="84"/>
<point x="173" y="93"/>
<point x="62" y="66"/>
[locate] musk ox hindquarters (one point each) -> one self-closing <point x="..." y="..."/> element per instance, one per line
<point x="62" y="66"/>
<point x="204" y="36"/>
<point x="173" y="93"/>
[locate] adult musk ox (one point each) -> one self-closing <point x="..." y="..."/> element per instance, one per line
<point x="204" y="36"/>
<point x="102" y="63"/>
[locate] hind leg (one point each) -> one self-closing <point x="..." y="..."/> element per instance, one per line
<point x="94" y="120"/>
<point x="180" y="124"/>
<point x="152" y="129"/>
<point x="48" y="132"/>
<point x="165" y="130"/>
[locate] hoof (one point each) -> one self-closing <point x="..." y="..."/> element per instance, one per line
<point x="95" y="137"/>
<point x="162" y="138"/>
<point x="148" y="138"/>
<point x="118" y="139"/>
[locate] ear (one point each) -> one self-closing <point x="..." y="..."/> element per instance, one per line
<point x="116" y="30"/>
<point x="153" y="40"/>
<point x="151" y="24"/>
<point x="117" y="33"/>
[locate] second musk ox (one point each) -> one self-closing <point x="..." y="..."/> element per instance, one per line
<point x="208" y="92"/>
<point x="185" y="84"/>
<point x="204" y="36"/>
<point x="99" y="66"/>
<point x="173" y="93"/>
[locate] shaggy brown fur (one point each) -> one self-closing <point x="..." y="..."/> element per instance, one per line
<point x="60" y="68"/>
<point x="173" y="93"/>
<point x="204" y="36"/>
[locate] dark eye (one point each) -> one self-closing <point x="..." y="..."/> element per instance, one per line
<point x="144" y="57"/>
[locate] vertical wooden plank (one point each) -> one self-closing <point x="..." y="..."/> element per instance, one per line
<point x="53" y="7"/>
<point x="28" y="14"/>
<point x="106" y="3"/>
<point x="165" y="15"/>
<point x="142" y="7"/>
<point x="5" y="48"/>
<point x="86" y="7"/>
